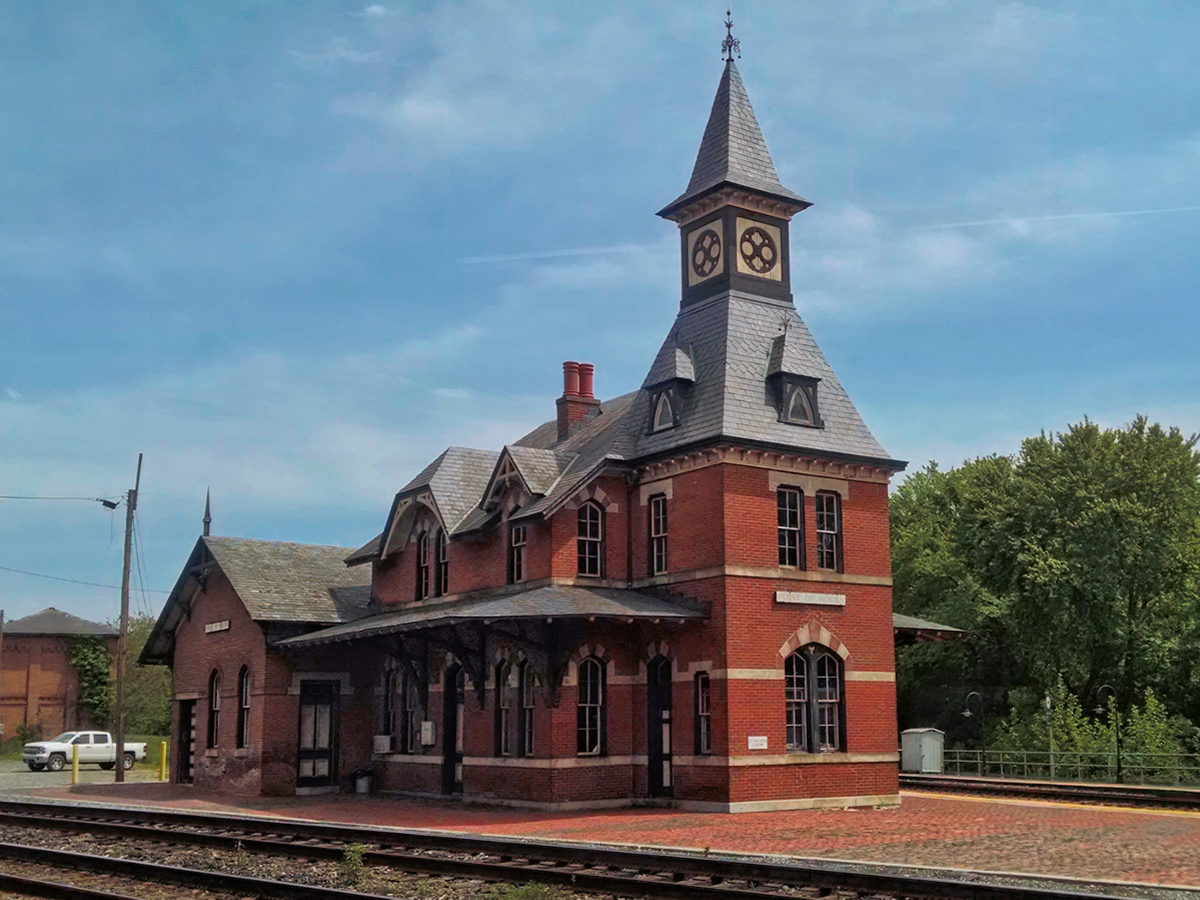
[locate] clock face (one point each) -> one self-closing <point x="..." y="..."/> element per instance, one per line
<point x="706" y="253"/>
<point x="758" y="250"/>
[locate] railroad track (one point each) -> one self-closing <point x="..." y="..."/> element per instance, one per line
<point x="580" y="867"/>
<point x="1118" y="794"/>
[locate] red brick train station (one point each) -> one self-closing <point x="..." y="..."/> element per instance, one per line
<point x="681" y="594"/>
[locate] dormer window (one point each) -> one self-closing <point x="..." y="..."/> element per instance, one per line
<point x="800" y="407"/>
<point x="796" y="398"/>
<point x="664" y="415"/>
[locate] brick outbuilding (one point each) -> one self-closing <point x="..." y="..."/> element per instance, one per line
<point x="678" y="595"/>
<point x="39" y="688"/>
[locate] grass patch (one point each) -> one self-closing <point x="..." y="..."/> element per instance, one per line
<point x="153" y="747"/>
<point x="530" y="891"/>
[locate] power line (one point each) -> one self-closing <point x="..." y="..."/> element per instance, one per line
<point x="111" y="587"/>
<point x="33" y="497"/>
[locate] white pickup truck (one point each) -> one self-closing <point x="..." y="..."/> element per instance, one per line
<point x="94" y="747"/>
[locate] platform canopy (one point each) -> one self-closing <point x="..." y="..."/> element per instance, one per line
<point x="542" y="604"/>
<point x="911" y="630"/>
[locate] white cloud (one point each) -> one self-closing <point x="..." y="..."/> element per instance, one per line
<point x="337" y="50"/>
<point x="12" y="394"/>
<point x="493" y="79"/>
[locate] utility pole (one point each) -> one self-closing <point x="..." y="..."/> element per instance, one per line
<point x="123" y="638"/>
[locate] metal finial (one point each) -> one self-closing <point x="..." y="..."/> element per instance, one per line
<point x="730" y="45"/>
<point x="207" y="512"/>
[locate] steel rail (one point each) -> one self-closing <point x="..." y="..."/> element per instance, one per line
<point x="53" y="890"/>
<point x="583" y="867"/>
<point x="199" y="878"/>
<point x="1122" y="794"/>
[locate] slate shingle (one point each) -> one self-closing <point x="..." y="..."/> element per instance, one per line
<point x="285" y="582"/>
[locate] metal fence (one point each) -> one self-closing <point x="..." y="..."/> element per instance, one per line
<point x="1135" y="768"/>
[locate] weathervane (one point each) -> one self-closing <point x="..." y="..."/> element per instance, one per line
<point x="730" y="45"/>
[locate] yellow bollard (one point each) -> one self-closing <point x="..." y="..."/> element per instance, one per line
<point x="162" y="761"/>
<point x="74" y="764"/>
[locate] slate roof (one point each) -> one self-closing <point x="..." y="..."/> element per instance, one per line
<point x="552" y="601"/>
<point x="672" y="363"/>
<point x="457" y="479"/>
<point x="540" y="468"/>
<point x="51" y="621"/>
<point x="286" y="582"/>
<point x="732" y="337"/>
<point x="733" y="150"/>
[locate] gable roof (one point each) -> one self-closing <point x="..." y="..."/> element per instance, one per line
<point x="733" y="150"/>
<point x="284" y="582"/>
<point x="51" y="621"/>
<point x="276" y="581"/>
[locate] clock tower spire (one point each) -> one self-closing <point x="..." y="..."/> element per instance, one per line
<point x="733" y="218"/>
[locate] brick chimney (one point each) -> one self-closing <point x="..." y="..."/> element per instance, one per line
<point x="577" y="401"/>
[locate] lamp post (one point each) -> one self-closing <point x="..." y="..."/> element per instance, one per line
<point x="1101" y="706"/>
<point x="966" y="715"/>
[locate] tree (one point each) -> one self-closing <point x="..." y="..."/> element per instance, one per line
<point x="147" y="688"/>
<point x="1079" y="558"/>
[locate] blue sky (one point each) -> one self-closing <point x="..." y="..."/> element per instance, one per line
<point x="292" y="250"/>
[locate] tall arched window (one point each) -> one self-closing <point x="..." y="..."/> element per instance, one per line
<point x="214" y="708"/>
<point x="441" y="572"/>
<point x="504" y="707"/>
<point x="703" y="713"/>
<point x="525" y="677"/>
<point x="422" y="565"/>
<point x="387" y="711"/>
<point x="590" y="714"/>
<point x="591" y="539"/>
<point x="813" y="699"/>
<point x="243" y="722"/>
<point x="410" y="715"/>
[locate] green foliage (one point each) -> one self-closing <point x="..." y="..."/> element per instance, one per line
<point x="1073" y="564"/>
<point x="528" y="892"/>
<point x="147" y="688"/>
<point x="350" y="868"/>
<point x="89" y="657"/>
<point x="28" y="732"/>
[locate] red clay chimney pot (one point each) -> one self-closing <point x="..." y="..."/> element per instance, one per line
<point x="570" y="379"/>
<point x="586" y="373"/>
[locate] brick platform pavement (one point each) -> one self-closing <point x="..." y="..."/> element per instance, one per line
<point x="930" y="830"/>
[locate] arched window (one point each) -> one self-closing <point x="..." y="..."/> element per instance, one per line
<point x="591" y="539"/>
<point x="813" y="699"/>
<point x="504" y="707"/>
<point x="243" y="722"/>
<point x="387" y="711"/>
<point x="410" y="715"/>
<point x="590" y="713"/>
<point x="664" y="416"/>
<point x="422" y="565"/>
<point x="800" y="411"/>
<point x="525" y="677"/>
<point x="214" y="708"/>
<point x="441" y="573"/>
<point x="516" y="553"/>
<point x="703" y="713"/>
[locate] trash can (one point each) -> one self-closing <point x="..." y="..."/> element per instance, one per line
<point x="365" y="781"/>
<point x="921" y="750"/>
